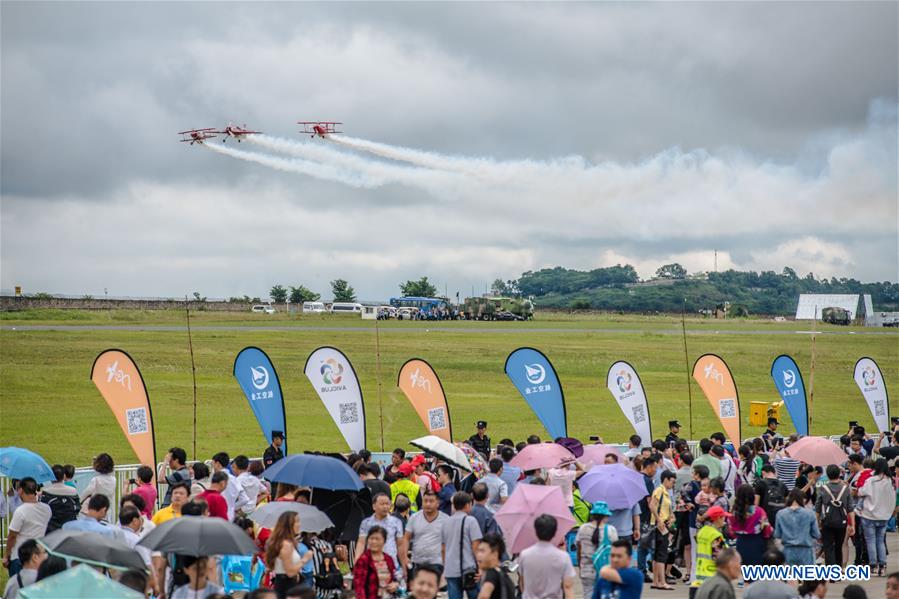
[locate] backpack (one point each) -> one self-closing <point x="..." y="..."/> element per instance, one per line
<point x="329" y="577"/>
<point x="63" y="508"/>
<point x="834" y="513"/>
<point x="603" y="551"/>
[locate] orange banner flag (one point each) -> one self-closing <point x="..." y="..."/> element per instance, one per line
<point x="421" y="386"/>
<point x="120" y="383"/>
<point x="716" y="381"/>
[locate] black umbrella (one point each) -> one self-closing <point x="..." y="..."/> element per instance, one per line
<point x="199" y="535"/>
<point x="347" y="509"/>
<point x="92" y="548"/>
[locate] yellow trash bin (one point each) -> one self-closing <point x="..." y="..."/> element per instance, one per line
<point x="758" y="413"/>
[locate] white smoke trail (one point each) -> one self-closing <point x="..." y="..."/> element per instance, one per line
<point x="303" y="167"/>
<point x="378" y="173"/>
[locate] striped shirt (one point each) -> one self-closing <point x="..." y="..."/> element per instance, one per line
<point x="786" y="469"/>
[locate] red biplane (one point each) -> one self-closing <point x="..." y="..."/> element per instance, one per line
<point x="320" y="128"/>
<point x="236" y="132"/>
<point x="198" y="136"/>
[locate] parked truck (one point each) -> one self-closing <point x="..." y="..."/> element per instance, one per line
<point x="497" y="308"/>
<point x="838" y="316"/>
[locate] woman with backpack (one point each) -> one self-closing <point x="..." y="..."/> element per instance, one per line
<point x="749" y="523"/>
<point x="495" y="583"/>
<point x="594" y="542"/>
<point x="879" y="502"/>
<point x="834" y="508"/>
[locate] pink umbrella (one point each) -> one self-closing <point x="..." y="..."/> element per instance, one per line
<point x="541" y="455"/>
<point x="595" y="455"/>
<point x="516" y="516"/>
<point x="816" y="451"/>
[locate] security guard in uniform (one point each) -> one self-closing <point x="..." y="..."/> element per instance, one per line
<point x="673" y="430"/>
<point x="480" y="442"/>
<point x="274" y="452"/>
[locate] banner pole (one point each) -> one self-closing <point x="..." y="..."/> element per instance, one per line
<point x="378" y="373"/>
<point x="193" y="371"/>
<point x="683" y="322"/>
<point x="811" y="376"/>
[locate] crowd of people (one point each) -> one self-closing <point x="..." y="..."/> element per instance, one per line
<point x="433" y="527"/>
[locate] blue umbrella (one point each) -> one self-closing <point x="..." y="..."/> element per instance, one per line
<point x="19" y="463"/>
<point x="317" y="471"/>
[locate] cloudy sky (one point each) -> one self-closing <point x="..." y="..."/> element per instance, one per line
<point x="581" y="135"/>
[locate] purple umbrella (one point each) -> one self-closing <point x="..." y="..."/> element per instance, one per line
<point x="616" y="484"/>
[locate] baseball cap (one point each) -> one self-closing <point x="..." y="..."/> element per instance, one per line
<point x="715" y="512"/>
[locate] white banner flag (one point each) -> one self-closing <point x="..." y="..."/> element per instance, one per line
<point x="870" y="381"/>
<point x="334" y="379"/>
<point x="626" y="388"/>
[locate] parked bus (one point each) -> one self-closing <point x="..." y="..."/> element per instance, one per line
<point x="428" y="307"/>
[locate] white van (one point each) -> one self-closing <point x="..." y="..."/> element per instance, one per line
<point x="346" y="308"/>
<point x="263" y="309"/>
<point x="313" y="308"/>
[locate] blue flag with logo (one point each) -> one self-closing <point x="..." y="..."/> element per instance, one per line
<point x="536" y="380"/>
<point x="259" y="381"/>
<point x="788" y="381"/>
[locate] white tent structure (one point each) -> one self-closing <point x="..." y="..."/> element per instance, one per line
<point x="812" y="304"/>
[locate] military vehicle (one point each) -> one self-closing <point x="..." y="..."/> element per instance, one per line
<point x="497" y="308"/>
<point x="838" y="316"/>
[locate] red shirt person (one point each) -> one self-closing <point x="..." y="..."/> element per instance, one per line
<point x="218" y="506"/>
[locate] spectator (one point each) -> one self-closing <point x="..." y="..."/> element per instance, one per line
<point x="787" y="467"/>
<point x="461" y="535"/>
<point x="618" y="579"/>
<point x="397" y="458"/>
<point x="134" y="579"/>
<point x="138" y="502"/>
<point x="95" y="520"/>
<point x="103" y="483"/>
<point x="130" y="525"/>
<point x="545" y="571"/>
<point x="281" y="556"/>
<point x="592" y="535"/>
<point x="405" y="486"/>
<point x="368" y="474"/>
<point x="146" y="489"/>
<point x="707" y="459"/>
<point x="797" y="529"/>
<point x="633" y="447"/>
<point x="892" y="591"/>
<point x="709" y="543"/>
<point x="661" y="519"/>
<point x="426" y="481"/>
<point x="728" y="469"/>
<point x="772" y="493"/>
<point x="401" y="509"/>
<point x="176" y="461"/>
<point x="750" y="525"/>
<point x="374" y="575"/>
<point x="879" y="501"/>
<point x="394" y="544"/>
<point x="30" y="555"/>
<point x="510" y="474"/>
<point x="50" y="566"/>
<point x="178" y="494"/>
<point x="648" y="470"/>
<point x="69" y="471"/>
<point x="424" y="583"/>
<point x="813" y="589"/>
<point x="62" y="500"/>
<point x="29" y="521"/>
<point x="447" y="488"/>
<point x="835" y="518"/>
<point x="198" y="586"/>
<point x="480" y="512"/>
<point x="236" y="498"/>
<point x="720" y="586"/>
<point x="424" y="533"/>
<point x="214" y="495"/>
<point x="770" y="589"/>
<point x="252" y="486"/>
<point x="497" y="490"/>
<point x="495" y="584"/>
<point x="200" y="479"/>
<point x="854" y="591"/>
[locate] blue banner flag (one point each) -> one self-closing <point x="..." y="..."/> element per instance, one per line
<point x="259" y="381"/>
<point x="788" y="381"/>
<point x="536" y="380"/>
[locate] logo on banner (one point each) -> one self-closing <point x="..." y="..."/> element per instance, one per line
<point x="113" y="373"/>
<point x="624" y="381"/>
<point x="535" y="373"/>
<point x="789" y="378"/>
<point x="418" y="381"/>
<point x="869" y="376"/>
<point x="332" y="374"/>
<point x="259" y="376"/>
<point x="712" y="373"/>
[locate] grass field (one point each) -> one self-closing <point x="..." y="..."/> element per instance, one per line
<point x="48" y="403"/>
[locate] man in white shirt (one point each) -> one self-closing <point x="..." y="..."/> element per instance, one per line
<point x="31" y="555"/>
<point x="252" y="486"/>
<point x="234" y="494"/>
<point x="633" y="447"/>
<point x="497" y="489"/>
<point x="545" y="570"/>
<point x="29" y="521"/>
<point x="130" y="523"/>
<point x="728" y="469"/>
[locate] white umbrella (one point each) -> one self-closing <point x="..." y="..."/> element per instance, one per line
<point x="444" y="450"/>
<point x="312" y="519"/>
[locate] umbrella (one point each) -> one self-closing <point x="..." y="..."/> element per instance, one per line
<point x="444" y="450"/>
<point x="19" y="463"/>
<point x="616" y="484"/>
<point x="478" y="465"/>
<point x="312" y="519"/>
<point x="816" y="451"/>
<point x="516" y="516"/>
<point x="317" y="471"/>
<point x="541" y="455"/>
<point x="347" y="509"/>
<point x="198" y="535"/>
<point x="80" y="582"/>
<point x="92" y="548"/>
<point x="595" y="455"/>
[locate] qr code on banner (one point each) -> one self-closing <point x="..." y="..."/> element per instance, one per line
<point x="639" y="413"/>
<point x="879" y="408"/>
<point x="727" y="408"/>
<point x="437" y="418"/>
<point x="349" y="413"/>
<point x="137" y="421"/>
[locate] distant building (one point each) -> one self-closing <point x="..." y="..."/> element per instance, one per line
<point x="811" y="305"/>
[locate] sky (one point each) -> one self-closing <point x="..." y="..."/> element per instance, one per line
<point x="514" y="137"/>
